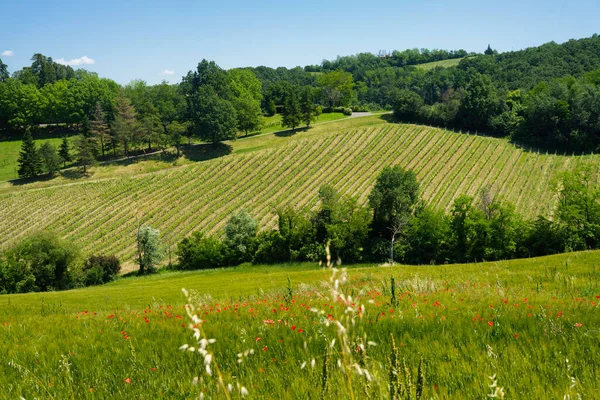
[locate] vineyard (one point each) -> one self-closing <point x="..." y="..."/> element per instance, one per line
<point x="103" y="215"/>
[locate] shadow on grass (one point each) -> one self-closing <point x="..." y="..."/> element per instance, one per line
<point x="207" y="151"/>
<point x="290" y="132"/>
<point x="26" y="181"/>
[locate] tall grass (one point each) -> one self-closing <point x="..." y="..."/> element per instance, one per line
<point x="519" y="329"/>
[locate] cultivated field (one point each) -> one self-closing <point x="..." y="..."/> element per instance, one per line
<point x="531" y="324"/>
<point x="102" y="214"/>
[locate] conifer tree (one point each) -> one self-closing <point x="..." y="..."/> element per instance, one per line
<point x="30" y="163"/>
<point x="307" y="106"/>
<point x="84" y="152"/>
<point x="64" y="152"/>
<point x="291" y="111"/>
<point x="50" y="158"/>
<point x="99" y="130"/>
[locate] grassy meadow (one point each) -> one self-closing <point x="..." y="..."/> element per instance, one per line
<point x="533" y="324"/>
<point x="101" y="212"/>
<point x="9" y="154"/>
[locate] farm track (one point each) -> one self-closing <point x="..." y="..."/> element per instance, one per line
<point x="102" y="216"/>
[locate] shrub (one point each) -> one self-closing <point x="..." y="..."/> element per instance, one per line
<point x="99" y="269"/>
<point x="270" y="248"/>
<point x="240" y="234"/>
<point x="200" y="252"/>
<point x="39" y="263"/>
<point x="347" y="111"/>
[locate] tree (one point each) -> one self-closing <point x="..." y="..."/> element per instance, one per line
<point x="307" y="106"/>
<point x="84" y="152"/>
<point x="489" y="51"/>
<point x="214" y="118"/>
<point x="3" y="72"/>
<point x="175" y="131"/>
<point x="393" y="201"/>
<point x="30" y="163"/>
<point x="125" y="124"/>
<point x="50" y="158"/>
<point x="407" y="104"/>
<point x="99" y="129"/>
<point x="578" y="209"/>
<point x="64" y="152"/>
<point x="240" y="232"/>
<point x="41" y="262"/>
<point x="337" y="87"/>
<point x="291" y="117"/>
<point x="248" y="113"/>
<point x="480" y="103"/>
<point x="150" y="251"/>
<point x="200" y="252"/>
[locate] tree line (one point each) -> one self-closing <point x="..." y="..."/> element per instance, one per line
<point x="397" y="225"/>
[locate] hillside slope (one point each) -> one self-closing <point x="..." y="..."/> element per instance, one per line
<point x="102" y="216"/>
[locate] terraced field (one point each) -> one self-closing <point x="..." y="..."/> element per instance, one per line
<point x="103" y="215"/>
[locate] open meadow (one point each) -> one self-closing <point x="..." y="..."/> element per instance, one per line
<point x="533" y="324"/>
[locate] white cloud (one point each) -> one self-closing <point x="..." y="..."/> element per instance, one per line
<point x="8" y="53"/>
<point x="167" y="72"/>
<point x="85" y="60"/>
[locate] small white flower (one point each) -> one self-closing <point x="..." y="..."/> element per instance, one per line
<point x="312" y="363"/>
<point x="185" y="346"/>
<point x="244" y="391"/>
<point x="207" y="359"/>
<point x="229" y="387"/>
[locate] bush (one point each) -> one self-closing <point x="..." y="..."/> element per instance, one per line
<point x="271" y="248"/>
<point x="200" y="252"/>
<point x="347" y="111"/>
<point x="99" y="269"/>
<point x="39" y="263"/>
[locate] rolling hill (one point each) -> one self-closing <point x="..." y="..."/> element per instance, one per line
<point x="264" y="172"/>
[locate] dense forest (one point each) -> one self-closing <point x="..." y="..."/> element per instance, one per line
<point x="546" y="96"/>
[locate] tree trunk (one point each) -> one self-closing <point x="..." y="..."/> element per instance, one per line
<point x="392" y="250"/>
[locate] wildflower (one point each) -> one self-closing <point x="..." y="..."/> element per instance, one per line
<point x="516" y="335"/>
<point x="244" y="391"/>
<point x="578" y="325"/>
<point x="293" y="327"/>
<point x="127" y="380"/>
<point x="265" y="348"/>
<point x="257" y="339"/>
<point x="490" y="323"/>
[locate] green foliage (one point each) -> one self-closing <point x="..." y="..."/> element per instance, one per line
<point x="578" y="209"/>
<point x="336" y="88"/>
<point x="240" y="232"/>
<point x="393" y="199"/>
<point x="125" y="126"/>
<point x="30" y="163"/>
<point x="85" y="150"/>
<point x="50" y="158"/>
<point x="64" y="151"/>
<point x="307" y="107"/>
<point x="292" y="115"/>
<point x="201" y="252"/>
<point x="428" y="237"/>
<point x="214" y="118"/>
<point x="407" y="104"/>
<point x="150" y="251"/>
<point x="41" y="262"/>
<point x="100" y="269"/>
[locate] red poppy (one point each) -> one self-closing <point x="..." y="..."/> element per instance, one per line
<point x="293" y="327"/>
<point x="578" y="325"/>
<point x="490" y="323"/>
<point x="516" y="335"/>
<point x="127" y="380"/>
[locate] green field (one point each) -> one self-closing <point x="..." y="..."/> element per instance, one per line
<point x="532" y="323"/>
<point x="101" y="213"/>
<point x="444" y="64"/>
<point x="9" y="153"/>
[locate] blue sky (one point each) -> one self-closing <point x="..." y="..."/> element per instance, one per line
<point x="154" y="40"/>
